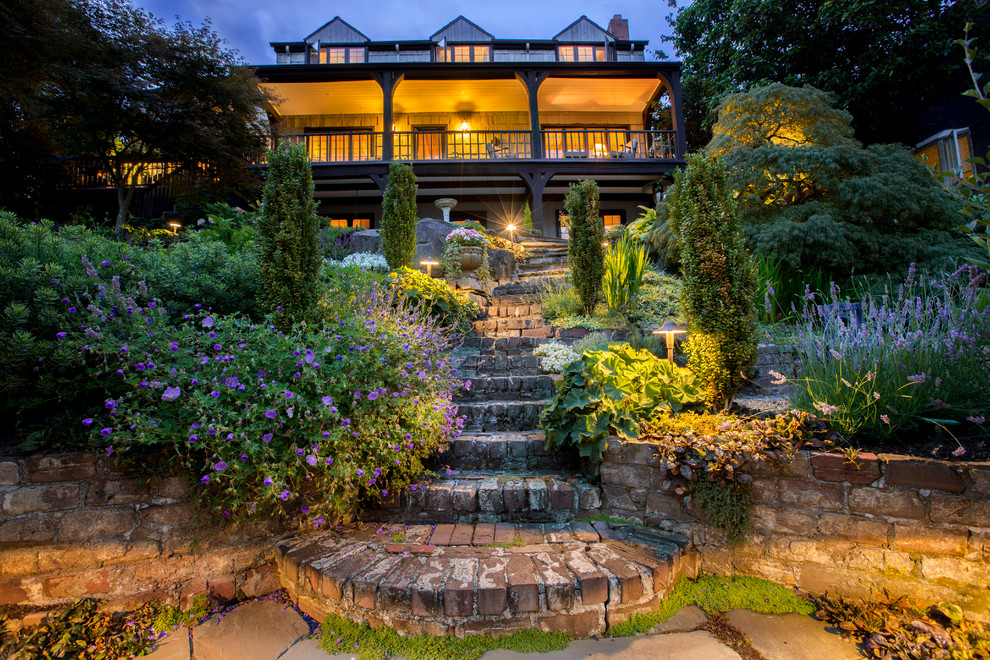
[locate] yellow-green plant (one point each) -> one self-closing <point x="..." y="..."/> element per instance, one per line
<point x="624" y="266"/>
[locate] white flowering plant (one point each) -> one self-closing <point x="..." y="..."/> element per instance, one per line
<point x="554" y="357"/>
<point x="363" y="260"/>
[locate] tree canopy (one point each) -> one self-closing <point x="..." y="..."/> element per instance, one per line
<point x="131" y="92"/>
<point x="810" y="194"/>
<point x="881" y="58"/>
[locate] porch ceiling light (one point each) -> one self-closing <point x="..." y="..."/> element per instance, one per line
<point x="670" y="330"/>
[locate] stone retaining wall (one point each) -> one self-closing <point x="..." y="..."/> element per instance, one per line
<point x="73" y="526"/>
<point x="912" y="526"/>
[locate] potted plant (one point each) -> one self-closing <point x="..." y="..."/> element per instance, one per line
<point x="465" y="250"/>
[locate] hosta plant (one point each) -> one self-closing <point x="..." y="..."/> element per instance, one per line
<point x="610" y="392"/>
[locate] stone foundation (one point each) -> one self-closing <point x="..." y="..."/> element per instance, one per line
<point x="915" y="527"/>
<point x="74" y="526"/>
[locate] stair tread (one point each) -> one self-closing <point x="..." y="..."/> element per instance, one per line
<point x="478" y="577"/>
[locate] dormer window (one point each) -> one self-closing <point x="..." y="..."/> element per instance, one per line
<point x="472" y="53"/>
<point x="342" y="55"/>
<point x="574" y="53"/>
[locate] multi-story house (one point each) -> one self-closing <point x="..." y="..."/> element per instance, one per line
<point x="493" y="123"/>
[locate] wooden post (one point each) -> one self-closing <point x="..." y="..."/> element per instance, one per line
<point x="533" y="80"/>
<point x="388" y="81"/>
<point x="677" y="113"/>
<point x="536" y="182"/>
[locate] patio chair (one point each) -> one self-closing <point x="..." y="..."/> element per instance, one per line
<point x="496" y="152"/>
<point x="628" y="151"/>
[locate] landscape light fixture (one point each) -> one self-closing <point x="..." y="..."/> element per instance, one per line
<point x="429" y="263"/>
<point x="670" y="330"/>
<point x="510" y="228"/>
<point x="175" y="227"/>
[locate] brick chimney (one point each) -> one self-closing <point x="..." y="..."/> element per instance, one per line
<point x="619" y="27"/>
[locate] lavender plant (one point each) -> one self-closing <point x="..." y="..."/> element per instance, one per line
<point x="919" y="356"/>
<point x="306" y="423"/>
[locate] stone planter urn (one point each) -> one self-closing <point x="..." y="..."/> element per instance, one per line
<point x="470" y="258"/>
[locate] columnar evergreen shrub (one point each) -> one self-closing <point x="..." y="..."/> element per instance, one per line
<point x="584" y="251"/>
<point x="527" y="221"/>
<point x="719" y="279"/>
<point x="289" y="257"/>
<point x="398" y="229"/>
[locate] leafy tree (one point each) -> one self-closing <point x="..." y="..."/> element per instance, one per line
<point x="584" y="250"/>
<point x="880" y="58"/>
<point x="143" y="93"/>
<point x="814" y="197"/>
<point x="398" y="229"/>
<point x="719" y="279"/>
<point x="289" y="256"/>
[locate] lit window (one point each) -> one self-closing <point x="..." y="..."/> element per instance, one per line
<point x="948" y="151"/>
<point x="341" y="55"/>
<point x="612" y="219"/>
<point x="581" y="53"/>
<point x="463" y="54"/>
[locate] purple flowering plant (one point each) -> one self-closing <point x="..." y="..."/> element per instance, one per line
<point x="918" y="358"/>
<point x="258" y="453"/>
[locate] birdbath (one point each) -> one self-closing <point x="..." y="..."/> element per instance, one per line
<point x="445" y="204"/>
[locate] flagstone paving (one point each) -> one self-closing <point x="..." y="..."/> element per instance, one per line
<point x="273" y="630"/>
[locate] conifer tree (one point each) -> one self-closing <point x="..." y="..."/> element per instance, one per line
<point x="398" y="229"/>
<point x="584" y="251"/>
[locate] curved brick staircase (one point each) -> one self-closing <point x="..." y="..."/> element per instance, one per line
<point x="495" y="542"/>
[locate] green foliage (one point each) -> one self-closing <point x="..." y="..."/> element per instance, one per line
<point x="335" y="242"/>
<point x="289" y="259"/>
<point x="593" y="341"/>
<point x="82" y="631"/>
<point x="647" y="341"/>
<point x="716" y="594"/>
<point x="719" y="280"/>
<point x="584" y="249"/>
<point x="659" y="300"/>
<point x="624" y="265"/>
<point x="341" y="635"/>
<point x="814" y="198"/>
<point x="782" y="290"/>
<point x="451" y="309"/>
<point x="609" y="392"/>
<point x="203" y="272"/>
<point x="398" y="227"/>
<point x="892" y="628"/>
<point x="726" y="505"/>
<point x="833" y="47"/>
<point x="654" y="228"/>
<point x="559" y="298"/>
<point x="233" y="227"/>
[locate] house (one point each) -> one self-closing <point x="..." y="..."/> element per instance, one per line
<point x="493" y="123"/>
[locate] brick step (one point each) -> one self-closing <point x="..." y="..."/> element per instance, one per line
<point x="506" y="388"/>
<point x="547" y="262"/>
<point x="485" y="579"/>
<point x="501" y="346"/>
<point x="484" y="326"/>
<point x="494" y="416"/>
<point x="525" y="286"/>
<point x="501" y="365"/>
<point x="517" y="452"/>
<point x="473" y="497"/>
<point x="513" y="311"/>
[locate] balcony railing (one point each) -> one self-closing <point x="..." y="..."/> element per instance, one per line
<point x="462" y="145"/>
<point x="608" y="143"/>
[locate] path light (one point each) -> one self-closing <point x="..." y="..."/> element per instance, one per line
<point x="670" y="330"/>
<point x="429" y="266"/>
<point x="510" y="229"/>
<point x="175" y="227"/>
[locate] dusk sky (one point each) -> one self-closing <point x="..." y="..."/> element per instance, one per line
<point x="250" y="24"/>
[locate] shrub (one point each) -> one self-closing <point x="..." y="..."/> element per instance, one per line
<point x="527" y="221"/>
<point x="335" y="242"/>
<point x="608" y="392"/>
<point x="584" y="249"/>
<point x="451" y="309"/>
<point x="559" y="298"/>
<point x="234" y="227"/>
<point x="46" y="283"/>
<point x="398" y="228"/>
<point x="201" y="271"/>
<point x="781" y="289"/>
<point x="654" y="228"/>
<point x="659" y="300"/>
<point x="304" y="424"/>
<point x="718" y="279"/>
<point x="593" y="341"/>
<point x="289" y="258"/>
<point x="918" y="357"/>
<point x="624" y="264"/>
<point x="554" y="356"/>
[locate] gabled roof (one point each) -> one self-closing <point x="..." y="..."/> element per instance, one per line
<point x="584" y="29"/>
<point x="461" y="29"/>
<point x="337" y="30"/>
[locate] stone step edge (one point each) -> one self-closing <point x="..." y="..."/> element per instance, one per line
<point x="470" y="590"/>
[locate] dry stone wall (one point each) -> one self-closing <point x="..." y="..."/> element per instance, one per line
<point x="912" y="526"/>
<point x="74" y="526"/>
